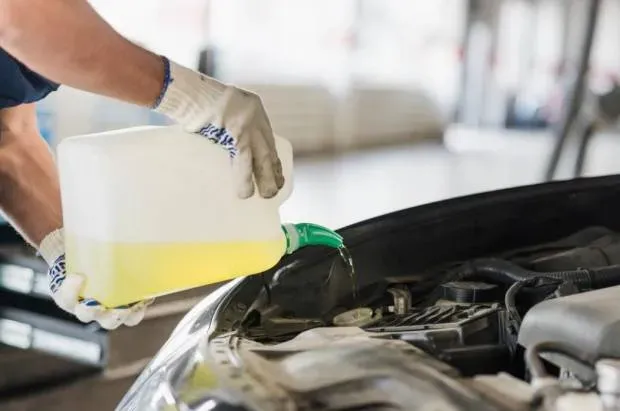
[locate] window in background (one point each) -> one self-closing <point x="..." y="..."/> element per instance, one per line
<point x="412" y="44"/>
<point x="278" y="41"/>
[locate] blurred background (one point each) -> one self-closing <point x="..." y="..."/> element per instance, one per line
<point x="388" y="104"/>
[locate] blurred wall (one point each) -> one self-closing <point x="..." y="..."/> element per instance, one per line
<point x="333" y="75"/>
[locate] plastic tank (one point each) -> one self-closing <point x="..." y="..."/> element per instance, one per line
<point x="153" y="210"/>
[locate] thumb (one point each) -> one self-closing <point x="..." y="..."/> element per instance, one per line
<point x="68" y="293"/>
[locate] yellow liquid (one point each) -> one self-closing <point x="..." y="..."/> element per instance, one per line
<point x="122" y="273"/>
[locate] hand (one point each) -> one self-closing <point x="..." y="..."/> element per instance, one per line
<point x="65" y="290"/>
<point x="228" y="116"/>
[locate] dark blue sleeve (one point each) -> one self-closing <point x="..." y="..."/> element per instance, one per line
<point x="19" y="85"/>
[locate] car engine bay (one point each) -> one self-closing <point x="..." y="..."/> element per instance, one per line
<point x="521" y="329"/>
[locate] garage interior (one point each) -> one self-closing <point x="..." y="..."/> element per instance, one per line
<point x="388" y="105"/>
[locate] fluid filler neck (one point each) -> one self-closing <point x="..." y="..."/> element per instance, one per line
<point x="305" y="234"/>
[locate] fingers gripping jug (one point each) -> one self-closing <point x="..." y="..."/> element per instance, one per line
<point x="154" y="210"/>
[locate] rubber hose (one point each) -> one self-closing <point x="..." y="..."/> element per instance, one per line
<point x="606" y="276"/>
<point x="494" y="269"/>
<point x="509" y="299"/>
<point x="508" y="273"/>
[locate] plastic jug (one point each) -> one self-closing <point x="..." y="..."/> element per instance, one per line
<point x="153" y="210"/>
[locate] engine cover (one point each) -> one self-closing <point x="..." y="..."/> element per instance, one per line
<point x="589" y="322"/>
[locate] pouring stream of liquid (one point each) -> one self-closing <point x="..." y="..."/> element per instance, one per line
<point x="350" y="268"/>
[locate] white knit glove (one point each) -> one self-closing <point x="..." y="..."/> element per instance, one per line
<point x="65" y="290"/>
<point x="228" y="116"/>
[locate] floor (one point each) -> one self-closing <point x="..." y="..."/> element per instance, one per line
<point x="339" y="190"/>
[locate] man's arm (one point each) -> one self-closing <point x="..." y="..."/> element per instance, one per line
<point x="29" y="188"/>
<point x="69" y="43"/>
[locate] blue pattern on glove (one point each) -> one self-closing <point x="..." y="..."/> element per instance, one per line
<point x="221" y="136"/>
<point x="57" y="273"/>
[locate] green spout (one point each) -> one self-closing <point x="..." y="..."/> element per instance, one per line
<point x="305" y="234"/>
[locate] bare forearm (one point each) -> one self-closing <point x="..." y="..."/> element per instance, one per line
<point x="29" y="188"/>
<point x="69" y="43"/>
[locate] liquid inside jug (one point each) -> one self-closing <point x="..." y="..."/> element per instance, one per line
<point x="122" y="273"/>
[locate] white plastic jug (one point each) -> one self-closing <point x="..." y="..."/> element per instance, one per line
<point x="153" y="210"/>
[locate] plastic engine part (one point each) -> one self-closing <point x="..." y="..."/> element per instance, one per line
<point x="589" y="322"/>
<point x="471" y="292"/>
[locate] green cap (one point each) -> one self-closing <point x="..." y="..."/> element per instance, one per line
<point x="305" y="234"/>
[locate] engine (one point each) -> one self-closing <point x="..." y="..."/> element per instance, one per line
<point x="548" y="315"/>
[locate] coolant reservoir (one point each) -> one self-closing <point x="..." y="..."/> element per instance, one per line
<point x="154" y="210"/>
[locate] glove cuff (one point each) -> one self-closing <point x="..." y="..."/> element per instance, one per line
<point x="52" y="246"/>
<point x="186" y="94"/>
